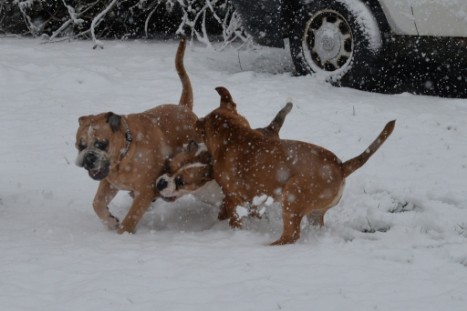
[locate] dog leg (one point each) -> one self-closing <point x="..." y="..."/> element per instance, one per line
<point x="105" y="193"/>
<point x="229" y="209"/>
<point x="140" y="205"/>
<point x="291" y="231"/>
<point x="291" y="213"/>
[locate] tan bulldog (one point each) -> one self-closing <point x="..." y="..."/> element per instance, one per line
<point x="306" y="179"/>
<point x="128" y="152"/>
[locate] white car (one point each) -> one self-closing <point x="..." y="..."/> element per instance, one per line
<point x="347" y="38"/>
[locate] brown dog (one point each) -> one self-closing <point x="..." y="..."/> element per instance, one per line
<point x="306" y="179"/>
<point x="190" y="171"/>
<point x="129" y="152"/>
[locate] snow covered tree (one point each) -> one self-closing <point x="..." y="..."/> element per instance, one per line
<point x="205" y="20"/>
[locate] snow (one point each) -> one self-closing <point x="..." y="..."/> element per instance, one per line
<point x="242" y="211"/>
<point x="397" y="240"/>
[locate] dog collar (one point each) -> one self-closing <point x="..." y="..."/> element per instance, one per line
<point x="128" y="139"/>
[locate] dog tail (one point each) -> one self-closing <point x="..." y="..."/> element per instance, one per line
<point x="352" y="165"/>
<point x="276" y="124"/>
<point x="187" y="91"/>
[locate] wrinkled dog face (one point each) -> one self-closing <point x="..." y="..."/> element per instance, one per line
<point x="93" y="140"/>
<point x="188" y="171"/>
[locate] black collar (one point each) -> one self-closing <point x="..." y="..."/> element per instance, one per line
<point x="128" y="139"/>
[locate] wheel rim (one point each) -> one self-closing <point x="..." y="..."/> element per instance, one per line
<point x="328" y="42"/>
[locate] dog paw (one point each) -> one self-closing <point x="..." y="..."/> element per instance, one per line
<point x="122" y="230"/>
<point x="284" y="241"/>
<point x="278" y="243"/>
<point x="125" y="229"/>
<point x="235" y="223"/>
<point x="112" y="223"/>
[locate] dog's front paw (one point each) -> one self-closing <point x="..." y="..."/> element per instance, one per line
<point x="123" y="229"/>
<point x="235" y="223"/>
<point x="112" y="222"/>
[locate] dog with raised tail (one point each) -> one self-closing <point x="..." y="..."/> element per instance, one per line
<point x="128" y="152"/>
<point x="306" y="179"/>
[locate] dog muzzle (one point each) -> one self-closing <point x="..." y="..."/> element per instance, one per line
<point x="97" y="166"/>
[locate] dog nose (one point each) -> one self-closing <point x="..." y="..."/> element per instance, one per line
<point x="89" y="161"/>
<point x="162" y="184"/>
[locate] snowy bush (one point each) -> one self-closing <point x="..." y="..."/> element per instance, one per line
<point x="205" y="20"/>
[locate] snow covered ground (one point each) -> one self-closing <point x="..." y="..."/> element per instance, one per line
<point x="396" y="241"/>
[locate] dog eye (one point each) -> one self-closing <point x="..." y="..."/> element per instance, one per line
<point x="101" y="145"/>
<point x="178" y="181"/>
<point x="81" y="146"/>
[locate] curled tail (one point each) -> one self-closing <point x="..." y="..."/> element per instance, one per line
<point x="276" y="124"/>
<point x="186" y="99"/>
<point x="350" y="166"/>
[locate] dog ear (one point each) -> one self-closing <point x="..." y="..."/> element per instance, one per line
<point x="83" y="119"/>
<point x="226" y="99"/>
<point x="114" y="121"/>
